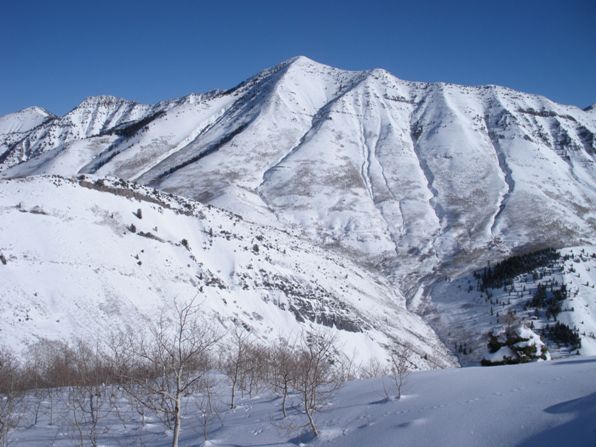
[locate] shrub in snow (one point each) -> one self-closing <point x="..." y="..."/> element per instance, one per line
<point x="514" y="344"/>
<point x="400" y="367"/>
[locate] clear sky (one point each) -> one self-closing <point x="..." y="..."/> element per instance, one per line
<point x="57" y="52"/>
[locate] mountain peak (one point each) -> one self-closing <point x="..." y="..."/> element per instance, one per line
<point x="36" y="110"/>
<point x="306" y="62"/>
<point x="23" y="120"/>
<point x="104" y="100"/>
<point x="300" y="59"/>
<point x="30" y="111"/>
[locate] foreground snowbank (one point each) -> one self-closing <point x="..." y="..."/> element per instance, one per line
<point x="539" y="404"/>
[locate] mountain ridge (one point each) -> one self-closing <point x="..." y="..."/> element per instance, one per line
<point x="255" y="103"/>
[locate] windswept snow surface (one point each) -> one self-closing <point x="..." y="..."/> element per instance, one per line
<point x="548" y="404"/>
<point x="81" y="258"/>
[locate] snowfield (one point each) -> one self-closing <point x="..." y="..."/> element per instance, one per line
<point x="541" y="404"/>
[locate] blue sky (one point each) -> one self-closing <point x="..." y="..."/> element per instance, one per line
<point x="55" y="53"/>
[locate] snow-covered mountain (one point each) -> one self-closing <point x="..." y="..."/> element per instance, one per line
<point x="14" y="127"/>
<point x="82" y="257"/>
<point x="94" y="115"/>
<point x="415" y="178"/>
<point x="417" y="182"/>
<point x="24" y="120"/>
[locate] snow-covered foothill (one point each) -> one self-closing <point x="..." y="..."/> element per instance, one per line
<point x="464" y="313"/>
<point x="83" y="257"/>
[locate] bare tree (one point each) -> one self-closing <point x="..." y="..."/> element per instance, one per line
<point x="400" y="367"/>
<point x="511" y="323"/>
<point x="160" y="369"/>
<point x="347" y="369"/>
<point x="256" y="368"/>
<point x="283" y="370"/>
<point x="89" y="398"/>
<point x="314" y="375"/>
<point x="373" y="369"/>
<point x="50" y="365"/>
<point x="235" y="362"/>
<point x="206" y="404"/>
<point x="11" y="394"/>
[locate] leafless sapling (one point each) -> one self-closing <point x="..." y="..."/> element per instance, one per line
<point x="400" y="365"/>
<point x="11" y="394"/>
<point x="315" y="379"/>
<point x="283" y="360"/>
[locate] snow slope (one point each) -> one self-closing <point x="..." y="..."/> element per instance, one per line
<point x="83" y="257"/>
<point x="541" y="404"/>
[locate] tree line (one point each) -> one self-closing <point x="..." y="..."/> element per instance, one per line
<point x="502" y="273"/>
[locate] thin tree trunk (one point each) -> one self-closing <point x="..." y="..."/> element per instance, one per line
<point x="234" y="382"/>
<point x="283" y="402"/>
<point x="232" y="405"/>
<point x="176" y="422"/>
<point x="311" y="422"/>
<point x="51" y="398"/>
<point x="93" y="414"/>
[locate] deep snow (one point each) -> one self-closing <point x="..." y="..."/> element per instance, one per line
<point x="542" y="404"/>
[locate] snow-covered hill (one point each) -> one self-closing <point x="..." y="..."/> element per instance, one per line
<point x="82" y="257"/>
<point x="463" y="311"/>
